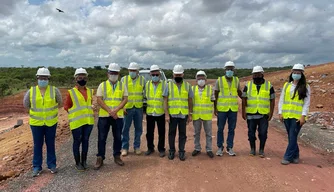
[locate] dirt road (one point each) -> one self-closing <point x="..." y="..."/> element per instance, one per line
<point x="141" y="173"/>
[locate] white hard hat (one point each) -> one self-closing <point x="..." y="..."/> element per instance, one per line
<point x="154" y="68"/>
<point x="133" y="66"/>
<point x="257" y="69"/>
<point x="200" y="73"/>
<point x="178" y="69"/>
<point x="298" y="66"/>
<point x="229" y="64"/>
<point x="43" y="72"/>
<point x="80" y="71"/>
<point x="114" y="67"/>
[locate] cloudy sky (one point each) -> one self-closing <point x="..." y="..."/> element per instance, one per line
<point x="194" y="33"/>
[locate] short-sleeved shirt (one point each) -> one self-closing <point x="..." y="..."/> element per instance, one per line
<point x="190" y="95"/>
<point x="134" y="82"/>
<point x="27" y="104"/>
<point x="200" y="91"/>
<point x="155" y="90"/>
<point x="99" y="92"/>
<point x="244" y="95"/>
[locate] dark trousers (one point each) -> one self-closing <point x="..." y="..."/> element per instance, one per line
<point x="293" y="129"/>
<point x="150" y="131"/>
<point x="41" y="133"/>
<point x="261" y="125"/>
<point x="104" y="124"/>
<point x="81" y="136"/>
<point x="173" y="125"/>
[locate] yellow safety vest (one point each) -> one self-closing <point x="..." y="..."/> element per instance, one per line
<point x="43" y="110"/>
<point x="228" y="96"/>
<point x="258" y="101"/>
<point x="112" y="98"/>
<point x="136" y="95"/>
<point x="178" y="101"/>
<point x="202" y="106"/>
<point x="292" y="108"/>
<point x="81" y="113"/>
<point x="155" y="102"/>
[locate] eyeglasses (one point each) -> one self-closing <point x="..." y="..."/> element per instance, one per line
<point x="43" y="78"/>
<point x="155" y="75"/>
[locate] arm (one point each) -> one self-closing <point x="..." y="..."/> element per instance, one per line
<point x="124" y="101"/>
<point x="59" y="99"/>
<point x="272" y="102"/>
<point x="216" y="92"/>
<point x="280" y="104"/>
<point x="166" y="109"/>
<point x="244" y="103"/>
<point x="102" y="104"/>
<point x="239" y="91"/>
<point x="26" y="101"/>
<point x="306" y="106"/>
<point x="68" y="102"/>
<point x="190" y="104"/>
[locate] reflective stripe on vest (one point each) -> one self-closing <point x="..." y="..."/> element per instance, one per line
<point x="202" y="105"/>
<point x="81" y="113"/>
<point x="43" y="110"/>
<point x="112" y="98"/>
<point x="135" y="92"/>
<point x="178" y="100"/>
<point x="155" y="101"/>
<point x="258" y="101"/>
<point x="228" y="96"/>
<point x="291" y="108"/>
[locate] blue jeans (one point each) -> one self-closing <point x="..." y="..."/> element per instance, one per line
<point x="41" y="133"/>
<point x="103" y="126"/>
<point x="135" y="114"/>
<point x="293" y="129"/>
<point x="231" y="118"/>
<point x="81" y="135"/>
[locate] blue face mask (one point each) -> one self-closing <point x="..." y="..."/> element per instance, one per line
<point x="229" y="73"/>
<point x="155" y="78"/>
<point x="132" y="74"/>
<point x="43" y="83"/>
<point x="296" y="76"/>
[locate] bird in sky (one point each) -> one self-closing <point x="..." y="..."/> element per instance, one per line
<point x="61" y="11"/>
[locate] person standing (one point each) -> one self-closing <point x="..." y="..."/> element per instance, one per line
<point x="178" y="105"/>
<point x="133" y="111"/>
<point x="112" y="96"/>
<point x="78" y="104"/>
<point x="226" y="107"/>
<point x="43" y="102"/>
<point x="155" y="111"/>
<point x="293" y="108"/>
<point x="258" y="103"/>
<point x="202" y="113"/>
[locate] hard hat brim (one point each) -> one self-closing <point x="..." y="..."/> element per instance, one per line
<point x="178" y="73"/>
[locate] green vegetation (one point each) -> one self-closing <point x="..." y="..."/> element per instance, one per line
<point x="14" y="79"/>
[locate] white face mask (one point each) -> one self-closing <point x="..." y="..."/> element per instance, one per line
<point x="201" y="82"/>
<point x="113" y="78"/>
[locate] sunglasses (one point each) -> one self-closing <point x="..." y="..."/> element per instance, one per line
<point x="155" y="75"/>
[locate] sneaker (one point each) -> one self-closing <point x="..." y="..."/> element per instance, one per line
<point x="231" y="152"/>
<point x="36" y="172"/>
<point x="149" y="152"/>
<point x="53" y="170"/>
<point x="195" y="153"/>
<point x="285" y="162"/>
<point x="137" y="152"/>
<point x="220" y="152"/>
<point x="118" y="161"/>
<point x="252" y="152"/>
<point x="79" y="167"/>
<point x="124" y="152"/>
<point x="210" y="154"/>
<point x="162" y="154"/>
<point x="261" y="153"/>
<point x="295" y="161"/>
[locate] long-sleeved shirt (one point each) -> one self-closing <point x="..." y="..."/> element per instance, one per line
<point x="307" y="99"/>
<point x="68" y="101"/>
<point x="26" y="99"/>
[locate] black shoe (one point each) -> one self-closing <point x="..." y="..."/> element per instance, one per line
<point x="78" y="165"/>
<point x="182" y="156"/>
<point x="261" y="153"/>
<point x="162" y="154"/>
<point x="210" y="154"/>
<point x="149" y="152"/>
<point x="195" y="153"/>
<point x="171" y="155"/>
<point x="84" y="160"/>
<point x="252" y="152"/>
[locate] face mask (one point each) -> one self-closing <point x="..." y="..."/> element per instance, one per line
<point x="296" y="76"/>
<point x="229" y="73"/>
<point x="132" y="74"/>
<point x="113" y="78"/>
<point x="201" y="82"/>
<point x="258" y="80"/>
<point x="43" y="83"/>
<point x="82" y="82"/>
<point x="155" y="78"/>
<point x="178" y="79"/>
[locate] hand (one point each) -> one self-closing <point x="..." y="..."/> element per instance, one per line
<point x="270" y="117"/>
<point x="301" y="121"/>
<point x="244" y="116"/>
<point x="190" y="118"/>
<point x="125" y="113"/>
<point x="167" y="118"/>
<point x="216" y="112"/>
<point x="280" y="117"/>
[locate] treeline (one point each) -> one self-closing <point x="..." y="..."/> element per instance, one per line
<point x="13" y="79"/>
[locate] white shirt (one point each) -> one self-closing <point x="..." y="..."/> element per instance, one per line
<point x="307" y="99"/>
